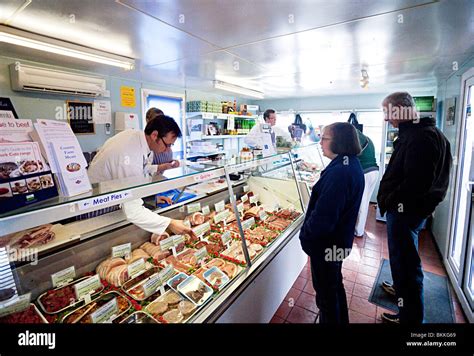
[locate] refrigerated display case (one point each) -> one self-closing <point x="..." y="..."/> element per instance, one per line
<point x="104" y="269"/>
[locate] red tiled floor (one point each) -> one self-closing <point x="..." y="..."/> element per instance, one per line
<point x="300" y="315"/>
<point x="361" y="291"/>
<point x="300" y="283"/>
<point x="365" y="280"/>
<point x="277" y="320"/>
<point x="359" y="271"/>
<point x="349" y="275"/>
<point x="308" y="302"/>
<point x="368" y="270"/>
<point x="283" y="310"/>
<point x="293" y="293"/>
<point x="309" y="288"/>
<point x="362" y="306"/>
<point x="358" y="318"/>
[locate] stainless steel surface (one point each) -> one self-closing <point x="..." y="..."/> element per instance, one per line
<point x="239" y="222"/>
<point x="285" y="48"/>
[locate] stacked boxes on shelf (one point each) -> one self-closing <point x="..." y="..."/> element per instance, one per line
<point x="203" y="106"/>
<point x="202" y="147"/>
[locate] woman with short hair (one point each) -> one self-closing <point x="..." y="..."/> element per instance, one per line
<point x="328" y="230"/>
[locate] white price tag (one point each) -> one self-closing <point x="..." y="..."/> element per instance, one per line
<point x="63" y="277"/>
<point x="19" y="304"/>
<point x="262" y="214"/>
<point x="178" y="239"/>
<point x="87" y="286"/>
<point x="247" y="224"/>
<point x="135" y="268"/>
<point x="207" y="115"/>
<point x="245" y="197"/>
<point x="220" y="206"/>
<point x="240" y="207"/>
<point x="122" y="250"/>
<point x="206" y="210"/>
<point x="254" y="199"/>
<point x="192" y="208"/>
<point x="167" y="273"/>
<point x="226" y="237"/>
<point x="201" y="254"/>
<point x="202" y="229"/>
<point x="246" y="188"/>
<point x="221" y="216"/>
<point x="151" y="286"/>
<point x="106" y="312"/>
<point x="187" y="223"/>
<point x="167" y="244"/>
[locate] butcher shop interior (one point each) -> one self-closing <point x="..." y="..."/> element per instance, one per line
<point x="242" y="161"/>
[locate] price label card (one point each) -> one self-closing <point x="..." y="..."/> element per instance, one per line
<point x="122" y="250"/>
<point x="226" y="237"/>
<point x="207" y="115"/>
<point x="178" y="239"/>
<point x="201" y="254"/>
<point x="276" y="207"/>
<point x="63" y="277"/>
<point x="202" y="229"/>
<point x="246" y="188"/>
<point x="240" y="207"/>
<point x="151" y="286"/>
<point x="167" y="273"/>
<point x="106" y="312"/>
<point x="206" y="210"/>
<point x="135" y="268"/>
<point x="187" y="223"/>
<point x="87" y="286"/>
<point x="254" y="199"/>
<point x="192" y="208"/>
<point x="247" y="224"/>
<point x="222" y="116"/>
<point x="262" y="214"/>
<point x="166" y="244"/>
<point x="220" y="206"/>
<point x="221" y="216"/>
<point x="245" y="198"/>
<point x="19" y="304"/>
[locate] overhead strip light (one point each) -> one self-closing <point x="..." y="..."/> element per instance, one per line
<point x="26" y="39"/>
<point x="238" y="89"/>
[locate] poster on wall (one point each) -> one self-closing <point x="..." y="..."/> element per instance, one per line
<point x="80" y="117"/>
<point x="102" y="113"/>
<point x="127" y="97"/>
<point x="450" y="111"/>
<point x="7" y="111"/>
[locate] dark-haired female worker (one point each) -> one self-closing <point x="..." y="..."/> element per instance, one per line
<point x="328" y="230"/>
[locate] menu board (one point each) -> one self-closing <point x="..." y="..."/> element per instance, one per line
<point x="80" y="117"/>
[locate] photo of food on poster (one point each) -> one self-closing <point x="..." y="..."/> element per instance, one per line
<point x="20" y="159"/>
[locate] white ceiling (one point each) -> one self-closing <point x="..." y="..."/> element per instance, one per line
<point x="281" y="47"/>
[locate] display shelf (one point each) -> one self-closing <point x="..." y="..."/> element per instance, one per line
<point x="218" y="116"/>
<point x="216" y="137"/>
<point x="204" y="154"/>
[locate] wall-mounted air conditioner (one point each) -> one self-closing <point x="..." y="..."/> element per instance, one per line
<point x="37" y="79"/>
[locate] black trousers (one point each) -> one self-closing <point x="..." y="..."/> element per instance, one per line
<point x="330" y="293"/>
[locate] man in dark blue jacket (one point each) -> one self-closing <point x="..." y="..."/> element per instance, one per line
<point x="328" y="230"/>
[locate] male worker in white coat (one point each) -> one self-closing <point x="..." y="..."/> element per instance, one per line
<point x="264" y="135"/>
<point x="129" y="154"/>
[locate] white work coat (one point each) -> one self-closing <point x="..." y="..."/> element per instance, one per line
<point x="123" y="156"/>
<point x="258" y="138"/>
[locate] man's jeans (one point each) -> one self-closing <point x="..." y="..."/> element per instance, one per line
<point x="405" y="263"/>
<point x="330" y="294"/>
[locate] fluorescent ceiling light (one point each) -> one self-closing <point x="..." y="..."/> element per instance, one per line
<point x="237" y="89"/>
<point x="26" y="39"/>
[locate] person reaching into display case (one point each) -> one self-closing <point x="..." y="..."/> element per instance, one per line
<point x="327" y="233"/>
<point x="164" y="160"/>
<point x="128" y="154"/>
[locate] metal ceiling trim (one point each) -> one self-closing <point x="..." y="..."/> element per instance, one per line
<point x="17" y="11"/>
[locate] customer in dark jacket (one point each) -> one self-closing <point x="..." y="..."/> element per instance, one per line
<point x="414" y="183"/>
<point x="328" y="230"/>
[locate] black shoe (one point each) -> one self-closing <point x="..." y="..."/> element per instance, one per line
<point x="388" y="288"/>
<point x="391" y="318"/>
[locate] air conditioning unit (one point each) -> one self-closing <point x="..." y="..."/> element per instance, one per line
<point x="37" y="79"/>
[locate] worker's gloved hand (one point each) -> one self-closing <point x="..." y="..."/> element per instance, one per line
<point x="179" y="228"/>
<point x="162" y="199"/>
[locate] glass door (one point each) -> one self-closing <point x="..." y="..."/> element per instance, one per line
<point x="460" y="260"/>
